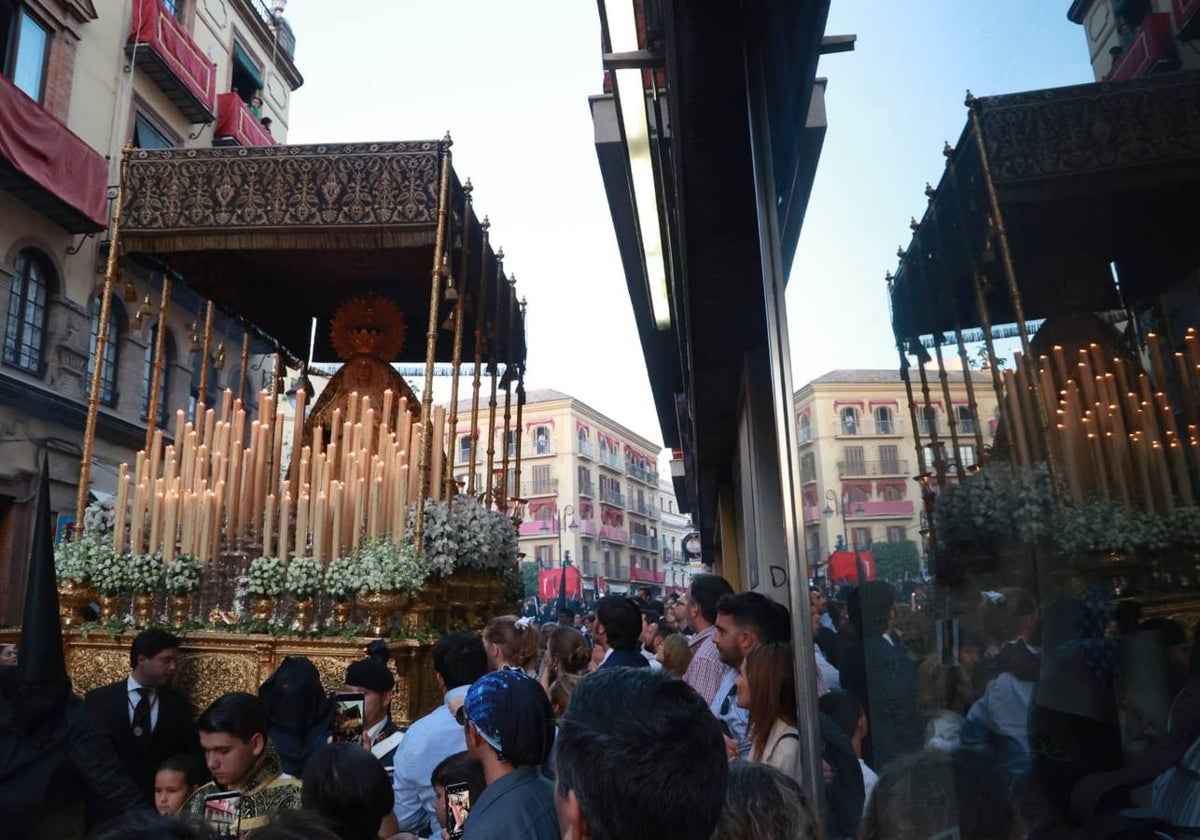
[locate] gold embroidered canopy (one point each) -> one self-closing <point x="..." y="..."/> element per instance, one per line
<point x="282" y="234"/>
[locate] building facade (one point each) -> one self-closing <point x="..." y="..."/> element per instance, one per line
<point x="589" y="489"/>
<point x="78" y="80"/>
<point x="675" y="528"/>
<point x="1131" y="38"/>
<point x="858" y="455"/>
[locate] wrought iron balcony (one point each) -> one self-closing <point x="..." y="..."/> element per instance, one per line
<point x="642" y="540"/>
<point x="544" y="487"/>
<point x="897" y="466"/>
<point x="614" y="497"/>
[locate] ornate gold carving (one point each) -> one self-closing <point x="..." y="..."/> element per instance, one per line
<point x="204" y="677"/>
<point x="91" y="668"/>
<point x="368" y="325"/>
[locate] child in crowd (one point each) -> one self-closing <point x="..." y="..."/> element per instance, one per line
<point x="174" y="782"/>
<point x="845" y="710"/>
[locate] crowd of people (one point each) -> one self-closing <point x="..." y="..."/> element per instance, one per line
<point x="671" y="718"/>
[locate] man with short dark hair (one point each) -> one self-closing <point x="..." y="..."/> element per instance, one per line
<point x="638" y="755"/>
<point x="509" y="728"/>
<point x="706" y="671"/>
<point x="233" y="732"/>
<point x="375" y="682"/>
<point x="146" y="721"/>
<point x="459" y="659"/>
<point x="618" y="627"/>
<point x="744" y="621"/>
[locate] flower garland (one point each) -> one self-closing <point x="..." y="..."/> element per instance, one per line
<point x="265" y="577"/>
<point x="182" y="575"/>
<point x="465" y="534"/>
<point x="303" y="578"/>
<point x="109" y="572"/>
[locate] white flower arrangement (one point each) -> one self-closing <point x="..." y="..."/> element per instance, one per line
<point x="182" y="575"/>
<point x="109" y="570"/>
<point x="385" y="565"/>
<point x="265" y="578"/>
<point x="341" y="578"/>
<point x="303" y="579"/>
<point x="143" y="572"/>
<point x="76" y="559"/>
<point x="100" y="515"/>
<point x="465" y="534"/>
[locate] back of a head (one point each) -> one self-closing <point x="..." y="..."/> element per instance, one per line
<point x="457" y="769"/>
<point x="676" y="654"/>
<point x="185" y="764"/>
<point x="460" y="659"/>
<point x="934" y="793"/>
<point x="237" y="713"/>
<point x="705" y="591"/>
<point x="643" y="755"/>
<point x="876" y="599"/>
<point x="348" y="786"/>
<point x="770" y="621"/>
<point x="296" y="825"/>
<point x="147" y="825"/>
<point x="770" y="671"/>
<point x="518" y="640"/>
<point x="294" y="697"/>
<point x="570" y="648"/>
<point x="562" y="689"/>
<point x="621" y="618"/>
<point x="763" y="803"/>
<point x="843" y="708"/>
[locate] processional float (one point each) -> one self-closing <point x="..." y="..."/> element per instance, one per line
<point x="374" y="242"/>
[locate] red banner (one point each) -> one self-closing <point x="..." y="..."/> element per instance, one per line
<point x="843" y="568"/>
<point x="550" y="582"/>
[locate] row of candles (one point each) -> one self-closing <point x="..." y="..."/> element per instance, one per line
<point x="1114" y="430"/>
<point x="223" y="481"/>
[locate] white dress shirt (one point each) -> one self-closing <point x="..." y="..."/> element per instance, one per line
<point x="131" y="691"/>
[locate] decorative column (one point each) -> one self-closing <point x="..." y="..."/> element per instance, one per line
<point x="481" y="298"/>
<point x="160" y="343"/>
<point x="435" y="291"/>
<point x="494" y="370"/>
<point x="508" y="378"/>
<point x="208" y="334"/>
<point x="460" y="293"/>
<point x="110" y="277"/>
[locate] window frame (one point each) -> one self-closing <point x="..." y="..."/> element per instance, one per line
<point x="17" y="345"/>
<point x="112" y="355"/>
<point x="12" y="49"/>
<point x="164" y="385"/>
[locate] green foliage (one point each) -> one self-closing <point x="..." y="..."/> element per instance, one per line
<point x="529" y="578"/>
<point x="896" y="560"/>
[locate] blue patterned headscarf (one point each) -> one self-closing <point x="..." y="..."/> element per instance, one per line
<point x="511" y="712"/>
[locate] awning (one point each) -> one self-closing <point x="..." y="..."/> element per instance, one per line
<point x="248" y="65"/>
<point x="165" y="51"/>
<point x="49" y="168"/>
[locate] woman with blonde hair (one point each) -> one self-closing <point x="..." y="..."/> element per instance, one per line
<point x="766" y="686"/>
<point x="675" y="655"/>
<point x="512" y="643"/>
<point x="566" y="653"/>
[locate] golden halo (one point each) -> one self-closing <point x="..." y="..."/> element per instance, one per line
<point x="368" y="325"/>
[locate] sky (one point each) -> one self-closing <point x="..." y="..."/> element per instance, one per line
<point x="511" y="82"/>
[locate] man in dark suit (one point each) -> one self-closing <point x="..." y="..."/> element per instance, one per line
<point x="146" y="721"/>
<point x="618" y="626"/>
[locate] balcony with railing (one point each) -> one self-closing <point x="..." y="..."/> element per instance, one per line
<point x="868" y="427"/>
<point x="285" y="39"/>
<point x="538" y="527"/>
<point x="584" y="449"/>
<point x="542" y="487"/>
<point x="237" y="125"/>
<point x="642" y="540"/>
<point x="612" y="497"/>
<point x="812" y="513"/>
<point x="646" y="575"/>
<point x="966" y="426"/>
<point x="866" y="510"/>
<point x="641" y="474"/>
<point x="888" y="467"/>
<point x="926" y="427"/>
<point x="45" y="165"/>
<point x="611" y="459"/>
<point x="587" y="527"/>
<point x="643" y="508"/>
<point x="673" y="555"/>
<point x="1152" y="50"/>
<point x="587" y="488"/>
<point x="163" y="48"/>
<point x="614" y="534"/>
<point x="538" y="448"/>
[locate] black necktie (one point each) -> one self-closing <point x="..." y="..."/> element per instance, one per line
<point x="141" y="715"/>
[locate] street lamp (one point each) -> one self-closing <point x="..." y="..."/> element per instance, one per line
<point x="567" y="513"/>
<point x="832" y="507"/>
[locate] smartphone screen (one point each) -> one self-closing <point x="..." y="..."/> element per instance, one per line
<point x="221" y="812"/>
<point x="458" y="805"/>
<point x="348" y="710"/>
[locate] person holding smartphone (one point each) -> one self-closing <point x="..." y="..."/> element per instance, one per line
<point x="457" y="783"/>
<point x="375" y="682"/>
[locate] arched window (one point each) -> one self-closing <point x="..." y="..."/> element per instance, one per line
<point x="849" y="420"/>
<point x="805" y="427"/>
<point x="108" y="371"/>
<point x="27" y="311"/>
<point x="164" y="381"/>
